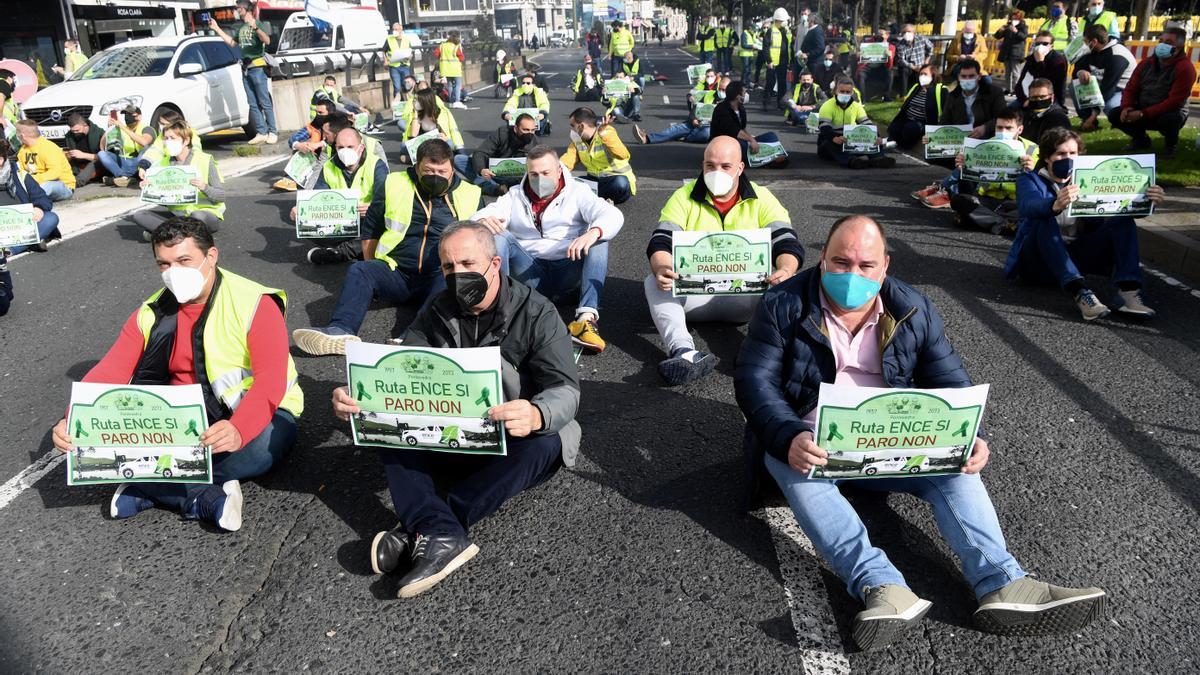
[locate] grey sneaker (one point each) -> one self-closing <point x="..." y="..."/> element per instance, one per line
<point x="1133" y="303"/>
<point x="322" y="341"/>
<point x="1089" y="306"/>
<point x="891" y="611"/>
<point x="1027" y="608"/>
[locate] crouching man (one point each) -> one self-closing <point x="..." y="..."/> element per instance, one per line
<point x="479" y="308"/>
<point x="847" y="322"/>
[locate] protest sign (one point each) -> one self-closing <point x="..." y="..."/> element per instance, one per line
<point x="412" y="144"/>
<point x="1112" y="185"/>
<point x="873" y="52"/>
<point x="514" y="114"/>
<point x="508" y="167"/>
<point x="704" y="112"/>
<point x="945" y="141"/>
<point x="1088" y="95"/>
<point x="767" y="152"/>
<point x="812" y="123"/>
<point x="874" y="433"/>
<point x="17" y="227"/>
<point x="732" y="262"/>
<point x="170" y="185"/>
<point x="591" y="184"/>
<point x="362" y="120"/>
<point x="426" y="398"/>
<point x="992" y="160"/>
<point x="617" y="89"/>
<point x="133" y="433"/>
<point x="695" y="73"/>
<point x="861" y="139"/>
<point x="303" y="167"/>
<point x="327" y="213"/>
<point x="1076" y="48"/>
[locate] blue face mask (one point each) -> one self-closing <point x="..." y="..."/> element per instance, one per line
<point x="1163" y="50"/>
<point x="848" y="290"/>
<point x="844" y="98"/>
<point x="827" y="62"/>
<point x="1055" y="12"/>
<point x="1062" y="168"/>
<point x="968" y="85"/>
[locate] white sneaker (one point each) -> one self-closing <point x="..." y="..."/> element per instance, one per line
<point x="230" y="519"/>
<point x="459" y="105"/>
<point x="1089" y="306"/>
<point x="1134" y="304"/>
<point x="257" y="140"/>
<point x="272" y="139"/>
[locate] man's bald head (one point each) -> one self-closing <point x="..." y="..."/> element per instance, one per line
<point x="856" y="244"/>
<point x="723" y="149"/>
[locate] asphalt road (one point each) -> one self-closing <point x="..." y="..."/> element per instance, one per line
<point x="641" y="559"/>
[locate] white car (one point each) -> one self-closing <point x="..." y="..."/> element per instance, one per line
<point x="915" y="464"/>
<point x="198" y="76"/>
<point x="431" y="435"/>
<point x="145" y="466"/>
<point x="353" y="35"/>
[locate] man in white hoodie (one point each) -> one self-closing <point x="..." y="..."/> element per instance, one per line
<point x="552" y="234"/>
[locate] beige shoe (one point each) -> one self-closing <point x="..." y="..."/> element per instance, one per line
<point x="1028" y="608"/>
<point x="1133" y="303"/>
<point x="272" y="139"/>
<point x="891" y="611"/>
<point x="322" y="341"/>
<point x="257" y="140"/>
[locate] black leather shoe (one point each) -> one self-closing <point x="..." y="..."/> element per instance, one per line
<point x="388" y="549"/>
<point x="434" y="557"/>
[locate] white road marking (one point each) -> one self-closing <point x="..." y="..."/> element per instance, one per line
<point x="666" y="100"/>
<point x="807" y="596"/>
<point x="29" y="476"/>
<point x="1172" y="281"/>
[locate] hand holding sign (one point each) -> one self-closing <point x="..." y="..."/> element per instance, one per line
<point x="520" y="417"/>
<point x="222" y="437"/>
<point x="61" y="437"/>
<point x="804" y="453"/>
<point x="979" y="457"/>
<point x="344" y="404"/>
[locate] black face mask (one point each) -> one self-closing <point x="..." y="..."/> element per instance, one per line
<point x="1039" y="103"/>
<point x="525" y="139"/>
<point x="468" y="288"/>
<point x="435" y="185"/>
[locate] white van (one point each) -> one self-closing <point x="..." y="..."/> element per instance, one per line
<point x="302" y="50"/>
<point x="198" y="76"/>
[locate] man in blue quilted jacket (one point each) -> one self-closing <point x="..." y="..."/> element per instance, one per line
<point x="846" y="322"/>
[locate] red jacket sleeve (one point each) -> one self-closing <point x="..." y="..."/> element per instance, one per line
<point x="268" y="343"/>
<point x="1181" y="89"/>
<point x="122" y="358"/>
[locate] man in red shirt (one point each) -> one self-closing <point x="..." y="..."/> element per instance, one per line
<point x="234" y="326"/>
<point x="1156" y="98"/>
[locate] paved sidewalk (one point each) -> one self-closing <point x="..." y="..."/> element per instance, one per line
<point x="96" y="203"/>
<point x="1169" y="240"/>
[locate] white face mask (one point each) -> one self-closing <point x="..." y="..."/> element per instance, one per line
<point x="745" y="97"/>
<point x="185" y="283"/>
<point x="349" y="156"/>
<point x="543" y="186"/>
<point x="173" y="146"/>
<point x="718" y="183"/>
<point x="1005" y="135"/>
<point x="924" y="80"/>
<point x="5" y="172"/>
<point x="908" y="37"/>
<point x="575" y="137"/>
<point x="969" y="36"/>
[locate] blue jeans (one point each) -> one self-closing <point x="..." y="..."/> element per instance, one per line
<point x="482" y="483"/>
<point x="57" y="190"/>
<point x="1111" y="102"/>
<point x="370" y="279"/>
<point x="680" y="131"/>
<point x="46" y="226"/>
<point x="616" y="188"/>
<point x="398" y="73"/>
<point x="556" y="278"/>
<point x="799" y="118"/>
<point x="254" y="459"/>
<point x="747" y="67"/>
<point x="1106" y="246"/>
<point x="961" y="507"/>
<point x="455" y="86"/>
<point x="491" y="187"/>
<point x="614" y="64"/>
<point x="262" y="112"/>
<point x="116" y="165"/>
<point x="630" y="107"/>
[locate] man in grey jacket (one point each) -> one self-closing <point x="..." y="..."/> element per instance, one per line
<point x="479" y="308"/>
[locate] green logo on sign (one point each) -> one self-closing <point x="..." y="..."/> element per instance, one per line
<point x="132" y="417"/>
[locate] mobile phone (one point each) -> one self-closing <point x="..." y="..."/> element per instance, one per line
<point x="205" y="18"/>
<point x="112" y="115"/>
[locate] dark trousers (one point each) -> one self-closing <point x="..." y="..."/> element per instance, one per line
<point x="907" y="133"/>
<point x="1105" y="246"/>
<point x="254" y="459"/>
<point x="370" y="279"/>
<point x="777" y="82"/>
<point x="903" y="77"/>
<point x="758" y="66"/>
<point x="1167" y="124"/>
<point x="477" y="485"/>
<point x="875" y="73"/>
<point x="86" y="171"/>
